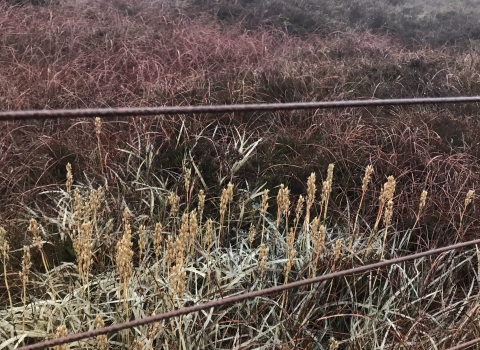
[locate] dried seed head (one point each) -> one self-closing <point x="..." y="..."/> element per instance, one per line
<point x="327" y="189"/>
<point x="98" y="126"/>
<point x="26" y="264"/>
<point x="209" y="234"/>
<point x="330" y="172"/>
<point x="153" y="330"/>
<point x="33" y="228"/>
<point x="174" y="202"/>
<point x="314" y="229"/>
<point x="299" y="208"/>
<point x="223" y="203"/>
<point x="333" y="344"/>
<point x="264" y="205"/>
<point x="387" y="219"/>
<point x="290" y="252"/>
<point x="138" y="344"/>
<point x="61" y="333"/>
<point x="311" y="189"/>
<point x="468" y="197"/>
<point x="423" y="199"/>
<point x="4" y="247"/>
<point x="102" y="340"/>
<point x="170" y="252"/>
<point x="201" y="203"/>
<point x="366" y="177"/>
<point x="337" y="250"/>
<point x="186" y="179"/>
<point x="320" y="242"/>
<point x="230" y="192"/>
<point x="262" y="259"/>
<point x="124" y="250"/>
<point x="283" y="202"/>
<point x="78" y="201"/>
<point x="177" y="280"/>
<point x="193" y="226"/>
<point x="69" y="178"/>
<point x="183" y="236"/>
<point x="251" y="235"/>
<point x="83" y="248"/>
<point x="388" y="190"/>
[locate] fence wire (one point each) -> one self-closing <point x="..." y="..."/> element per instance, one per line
<point x="238" y="298"/>
<point x="152" y="111"/>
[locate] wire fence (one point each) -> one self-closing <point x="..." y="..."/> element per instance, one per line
<point x="119" y="112"/>
<point x="124" y="112"/>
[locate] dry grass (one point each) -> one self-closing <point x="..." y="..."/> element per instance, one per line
<point x="201" y="191"/>
<point x="389" y="310"/>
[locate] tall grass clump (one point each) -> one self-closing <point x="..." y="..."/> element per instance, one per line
<point x="184" y="263"/>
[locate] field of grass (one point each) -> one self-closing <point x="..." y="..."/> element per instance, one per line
<point x="126" y="217"/>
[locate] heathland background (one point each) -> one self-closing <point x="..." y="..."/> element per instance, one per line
<point x="119" y="53"/>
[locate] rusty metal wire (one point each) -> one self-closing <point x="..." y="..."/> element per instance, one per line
<point x="140" y="111"/>
<point x="466" y="345"/>
<point x="238" y="298"/>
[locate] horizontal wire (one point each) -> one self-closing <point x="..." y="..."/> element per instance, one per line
<point x="465" y="345"/>
<point x="144" y="111"/>
<point x="238" y="298"/>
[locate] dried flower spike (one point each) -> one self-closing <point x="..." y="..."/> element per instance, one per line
<point x="98" y="126"/>
<point x="102" y="340"/>
<point x="251" y="235"/>
<point x="61" y="333"/>
<point x="69" y="178"/>
<point x="468" y="197"/>
<point x="262" y="259"/>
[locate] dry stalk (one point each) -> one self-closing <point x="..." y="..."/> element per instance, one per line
<point x="365" y="182"/>
<point x="193" y="228"/>
<point x="102" y="341"/>
<point x="466" y="203"/>
<point x="5" y="249"/>
<point x="201" y="206"/>
<point x="386" y="194"/>
<point x="98" y="132"/>
<point x="83" y="248"/>
<point x="263" y="211"/>
<point x="283" y="205"/>
<point x="262" y="259"/>
<point x="26" y="265"/>
<point x="33" y="228"/>
<point x="124" y="264"/>
<point x="336" y="252"/>
<point x="225" y="199"/>
<point x="326" y="191"/>
<point x="142" y="241"/>
<point x="387" y="219"/>
<point x="69" y="182"/>
<point x="187" y="179"/>
<point x="311" y="189"/>
<point x="298" y="212"/>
